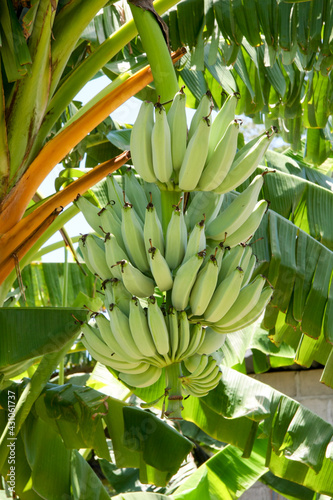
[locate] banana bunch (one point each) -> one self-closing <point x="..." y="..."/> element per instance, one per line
<point x="195" y="253"/>
<point x="136" y="251"/>
<point x="139" y="343"/>
<point x="203" y="375"/>
<point x="201" y="159"/>
<point x="222" y="294"/>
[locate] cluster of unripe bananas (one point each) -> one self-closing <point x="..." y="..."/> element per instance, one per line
<point x="176" y="277"/>
<point x="202" y="158"/>
<point x="140" y="342"/>
<point x="204" y="265"/>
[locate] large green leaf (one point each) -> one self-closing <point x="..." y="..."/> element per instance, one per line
<point x="308" y="204"/>
<point x="142" y="432"/>
<point x="210" y="481"/>
<point x="28" y="332"/>
<point x="72" y="412"/>
<point x="47" y="457"/>
<point x="85" y="483"/>
<point x="304" y="271"/>
<point x="284" y="421"/>
<point x="40" y="453"/>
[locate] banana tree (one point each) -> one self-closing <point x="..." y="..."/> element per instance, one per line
<point x="27" y="157"/>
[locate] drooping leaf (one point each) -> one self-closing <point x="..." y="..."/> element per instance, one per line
<point x="210" y="481"/>
<point x="144" y="430"/>
<point x="28" y="333"/>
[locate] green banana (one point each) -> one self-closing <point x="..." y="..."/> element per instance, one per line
<point x="113" y="254"/>
<point x="184" y="335"/>
<point x="161" y="145"/>
<point x="221" y="123"/>
<point x="232" y="258"/>
<point x="135" y="193"/>
<point x="176" y="239"/>
<point x="90" y="213"/>
<point x="201" y="366"/>
<point x="192" y="362"/>
<point x="140" y="330"/>
<point x="224" y="296"/>
<point x="84" y="250"/>
<point x="250" y="317"/>
<point x="201" y="387"/>
<point x="197" y="335"/>
<point x="219" y="164"/>
<point x="135" y="281"/>
<point x="249" y="270"/>
<point x="110" y="223"/>
<point x="245" y="302"/>
<point x="217" y="250"/>
<point x="145" y="379"/>
<point x="95" y="342"/>
<point x="107" y="286"/>
<point x="115" y="194"/>
<point x="158" y="327"/>
<point x="160" y="269"/>
<point x="152" y="229"/>
<point x="212" y="342"/>
<point x="141" y="142"/>
<point x="201" y="202"/>
<point x="246" y="258"/>
<point x="184" y="281"/>
<point x="116" y="293"/>
<point x="245" y="232"/>
<point x="153" y="194"/>
<point x="196" y="242"/>
<point x="207" y="374"/>
<point x="126" y="364"/>
<point x="96" y="355"/>
<point x="237" y="213"/>
<point x="132" y="233"/>
<point x="202" y="110"/>
<point x="96" y="255"/>
<point x="173" y="332"/>
<point x="109" y="338"/>
<point x="125" y="368"/>
<point x="178" y="128"/>
<point x="246" y="161"/>
<point x="204" y="287"/>
<point x="120" y="327"/>
<point x="195" y="156"/>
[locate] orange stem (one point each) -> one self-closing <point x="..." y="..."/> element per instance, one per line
<point x="9" y="264"/>
<point x="12" y="240"/>
<point x="15" y="203"/>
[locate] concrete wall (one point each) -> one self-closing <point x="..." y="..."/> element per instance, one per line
<point x="303" y="386"/>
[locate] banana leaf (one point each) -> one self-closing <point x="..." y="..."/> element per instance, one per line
<point x="232" y="412"/>
<point x="28" y="333"/>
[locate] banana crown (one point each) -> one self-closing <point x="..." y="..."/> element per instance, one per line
<point x="176" y="278"/>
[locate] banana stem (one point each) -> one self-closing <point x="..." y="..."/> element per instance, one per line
<point x="174" y="388"/>
<point x="157" y="52"/>
<point x="168" y="200"/>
